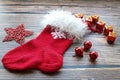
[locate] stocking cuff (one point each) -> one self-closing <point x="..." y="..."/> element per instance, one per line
<point x="65" y="21"/>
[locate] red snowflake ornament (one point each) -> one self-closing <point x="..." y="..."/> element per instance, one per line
<point x="18" y="34"/>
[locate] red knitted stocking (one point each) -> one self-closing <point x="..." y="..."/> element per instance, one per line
<point x="44" y="53"/>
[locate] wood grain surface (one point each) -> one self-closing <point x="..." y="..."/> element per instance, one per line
<point x="31" y="12"/>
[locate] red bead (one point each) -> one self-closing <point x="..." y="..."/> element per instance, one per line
<point x="93" y="55"/>
<point x="87" y="45"/>
<point x="79" y="51"/>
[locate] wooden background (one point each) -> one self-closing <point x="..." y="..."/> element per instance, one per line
<point x="30" y="13"/>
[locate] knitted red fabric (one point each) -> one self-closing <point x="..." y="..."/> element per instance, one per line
<point x="53" y="51"/>
<point x="44" y="53"/>
<point x="24" y="57"/>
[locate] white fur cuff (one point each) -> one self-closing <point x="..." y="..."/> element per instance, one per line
<point x="65" y="21"/>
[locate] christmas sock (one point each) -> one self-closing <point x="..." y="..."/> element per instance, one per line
<point x="46" y="51"/>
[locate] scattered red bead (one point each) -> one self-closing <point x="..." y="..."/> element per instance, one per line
<point x="93" y="55"/>
<point x="18" y="34"/>
<point x="79" y="51"/>
<point x="87" y="45"/>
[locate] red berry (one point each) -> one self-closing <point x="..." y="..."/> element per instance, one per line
<point x="79" y="51"/>
<point x="93" y="55"/>
<point x="87" y="45"/>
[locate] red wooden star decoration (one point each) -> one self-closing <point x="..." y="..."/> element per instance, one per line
<point x="18" y="34"/>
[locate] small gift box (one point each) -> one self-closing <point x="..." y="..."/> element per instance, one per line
<point x="89" y="19"/>
<point x="111" y="37"/>
<point x="95" y="18"/>
<point x="79" y="15"/>
<point x="107" y="30"/>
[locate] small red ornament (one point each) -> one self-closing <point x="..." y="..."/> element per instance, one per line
<point x="89" y="20"/>
<point x="111" y="37"/>
<point x="99" y="26"/>
<point x="95" y="18"/>
<point x="79" y="15"/>
<point x="93" y="55"/>
<point x="87" y="45"/>
<point x="79" y="51"/>
<point x="107" y="30"/>
<point x="18" y="34"/>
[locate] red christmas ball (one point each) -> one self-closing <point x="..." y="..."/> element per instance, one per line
<point x="87" y="45"/>
<point x="93" y="55"/>
<point x="79" y="51"/>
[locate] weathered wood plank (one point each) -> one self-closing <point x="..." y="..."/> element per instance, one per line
<point x="27" y="9"/>
<point x="63" y="74"/>
<point x="35" y="19"/>
<point x="44" y="9"/>
<point x="79" y="3"/>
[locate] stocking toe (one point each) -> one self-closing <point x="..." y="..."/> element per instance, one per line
<point x="52" y="61"/>
<point x="23" y="57"/>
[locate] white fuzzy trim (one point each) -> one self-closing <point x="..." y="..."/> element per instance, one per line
<point x="65" y="21"/>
